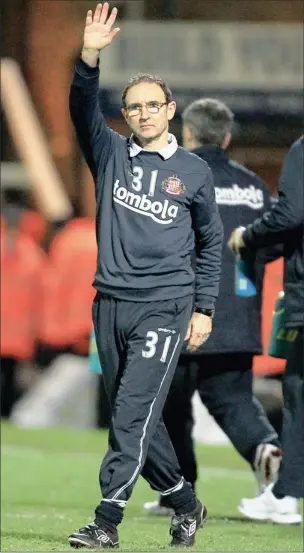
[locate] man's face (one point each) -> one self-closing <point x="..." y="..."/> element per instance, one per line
<point x="147" y="112"/>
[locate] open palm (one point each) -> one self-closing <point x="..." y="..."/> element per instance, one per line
<point x="98" y="32"/>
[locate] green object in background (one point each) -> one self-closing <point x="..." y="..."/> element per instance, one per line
<point x="94" y="363"/>
<point x="281" y="338"/>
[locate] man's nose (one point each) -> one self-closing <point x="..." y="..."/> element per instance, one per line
<point x="144" y="114"/>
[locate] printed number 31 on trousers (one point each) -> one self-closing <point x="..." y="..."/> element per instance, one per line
<point x="150" y="346"/>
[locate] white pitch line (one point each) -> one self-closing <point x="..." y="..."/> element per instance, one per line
<point x="40" y="516"/>
<point x="222" y="472"/>
<point x="12" y="449"/>
<point x="204" y="471"/>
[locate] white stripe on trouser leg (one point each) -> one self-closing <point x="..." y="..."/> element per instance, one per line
<point x="145" y="428"/>
<point x="174" y="489"/>
<point x="121" y="504"/>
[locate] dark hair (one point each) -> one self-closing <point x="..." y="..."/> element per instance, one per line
<point x="209" y="121"/>
<point x="146" y="78"/>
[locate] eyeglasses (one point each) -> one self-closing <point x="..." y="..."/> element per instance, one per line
<point x="151" y="107"/>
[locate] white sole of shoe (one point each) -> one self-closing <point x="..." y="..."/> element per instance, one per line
<point x="77" y="543"/>
<point x="286" y="519"/>
<point x="277" y="518"/>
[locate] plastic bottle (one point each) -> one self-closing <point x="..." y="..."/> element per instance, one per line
<point x="244" y="277"/>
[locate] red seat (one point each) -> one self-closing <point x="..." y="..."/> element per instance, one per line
<point x="68" y="291"/>
<point x="22" y="265"/>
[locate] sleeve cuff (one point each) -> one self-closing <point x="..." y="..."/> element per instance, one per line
<point x="85" y="70"/>
<point x="204" y="302"/>
<point x="247" y="234"/>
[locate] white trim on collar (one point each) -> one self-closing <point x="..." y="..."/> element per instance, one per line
<point x="165" y="152"/>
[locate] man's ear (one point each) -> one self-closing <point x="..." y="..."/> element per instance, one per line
<point x="187" y="137"/>
<point x="171" y="110"/>
<point x="226" y="141"/>
<point x="124" y="113"/>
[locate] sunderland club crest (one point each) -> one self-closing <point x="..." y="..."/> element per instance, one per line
<point x="173" y="185"/>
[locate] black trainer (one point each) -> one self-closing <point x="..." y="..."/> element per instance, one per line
<point x="184" y="527"/>
<point x="94" y="537"/>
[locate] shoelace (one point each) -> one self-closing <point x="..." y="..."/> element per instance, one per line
<point x="97" y="532"/>
<point x="91" y="526"/>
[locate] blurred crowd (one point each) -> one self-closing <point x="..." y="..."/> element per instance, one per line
<point x="46" y="294"/>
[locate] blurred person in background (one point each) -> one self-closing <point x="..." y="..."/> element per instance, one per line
<point x="65" y="320"/>
<point x="148" y="220"/>
<point x="10" y="390"/>
<point x="22" y="264"/>
<point x="285" y="224"/>
<point x="222" y="372"/>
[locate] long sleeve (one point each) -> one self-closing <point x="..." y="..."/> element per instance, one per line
<point x="274" y="251"/>
<point x="209" y="237"/>
<point x="95" y="138"/>
<point x="288" y="213"/>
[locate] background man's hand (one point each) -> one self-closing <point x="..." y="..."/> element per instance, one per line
<point x="198" y="332"/>
<point x="236" y="242"/>
<point x="98" y="32"/>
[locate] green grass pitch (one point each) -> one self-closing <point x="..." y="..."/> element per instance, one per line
<point x="50" y="488"/>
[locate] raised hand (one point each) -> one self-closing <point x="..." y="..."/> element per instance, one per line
<point x="98" y="32"/>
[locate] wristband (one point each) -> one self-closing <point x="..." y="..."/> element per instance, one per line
<point x="208" y="312"/>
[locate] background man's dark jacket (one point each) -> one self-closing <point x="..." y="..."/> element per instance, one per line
<point x="285" y="224"/>
<point x="241" y="197"/>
